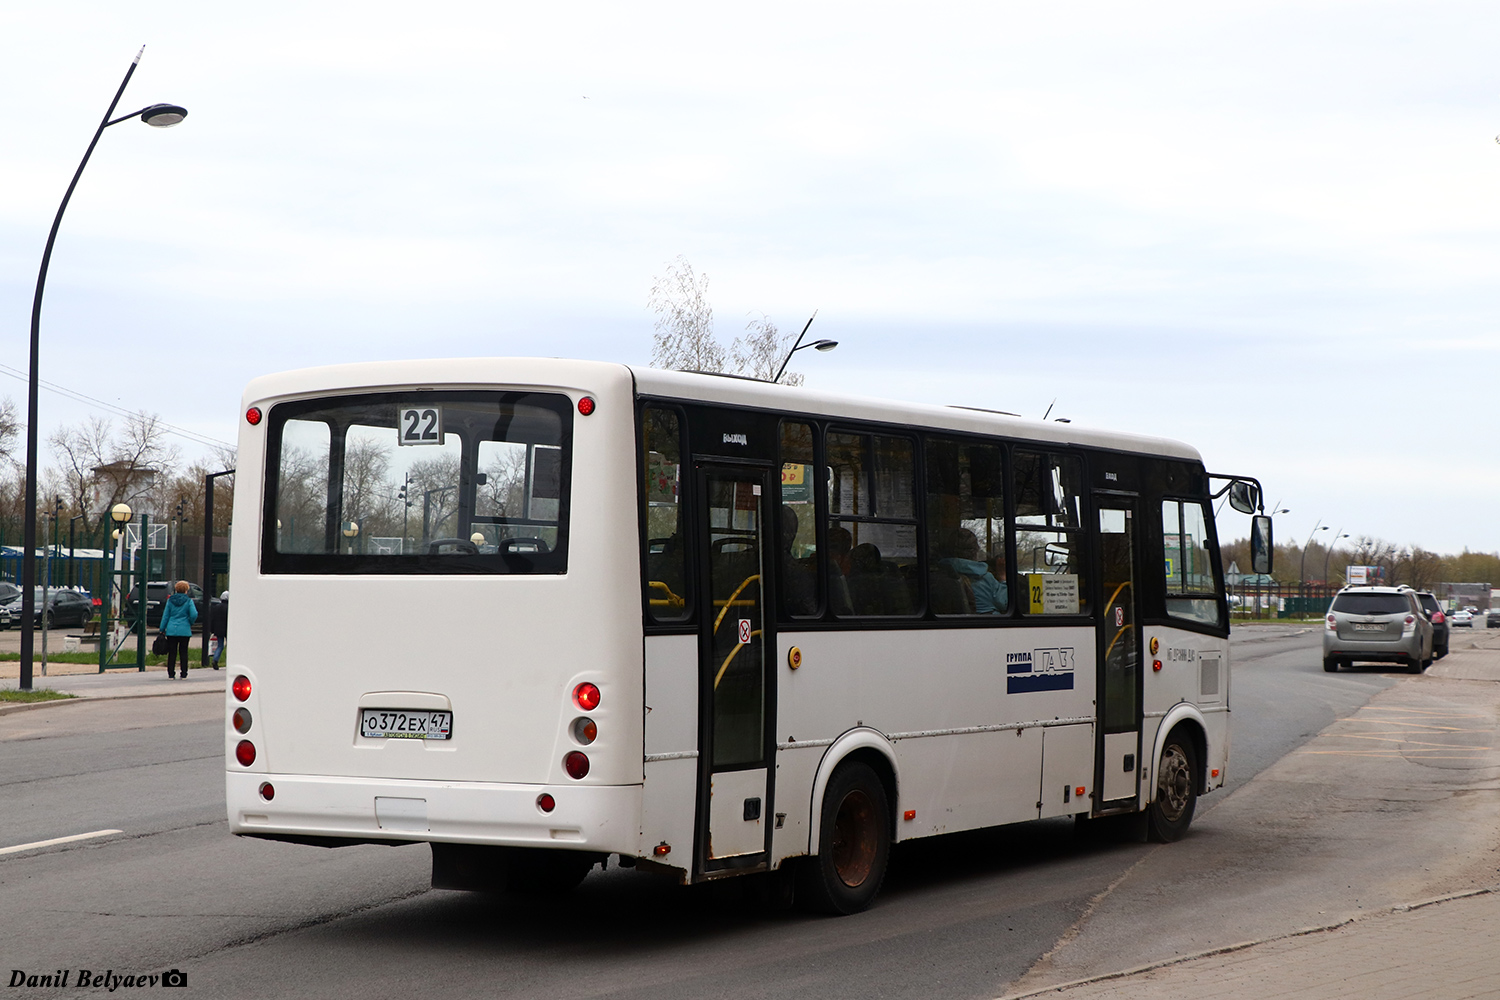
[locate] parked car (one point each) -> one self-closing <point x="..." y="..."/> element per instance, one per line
<point x="64" y="607"/>
<point x="1463" y="618"/>
<point x="1377" y="624"/>
<point x="5" y="617"/>
<point x="8" y="592"/>
<point x="1492" y="618"/>
<point x="157" y="592"/>
<point x="1439" y="620"/>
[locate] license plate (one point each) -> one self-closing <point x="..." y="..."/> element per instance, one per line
<point x="402" y="724"/>
<point x="1369" y="627"/>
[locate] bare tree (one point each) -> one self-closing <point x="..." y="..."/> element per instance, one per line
<point x="760" y="351"/>
<point x="684" y="336"/>
<point x="102" y="466"/>
<point x="436" y="481"/>
<point x="10" y="428"/>
<point x="503" y="492"/>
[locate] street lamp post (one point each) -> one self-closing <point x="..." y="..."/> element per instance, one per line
<point x="817" y="345"/>
<point x="1302" y="573"/>
<point x="158" y="116"/>
<point x="1336" y="536"/>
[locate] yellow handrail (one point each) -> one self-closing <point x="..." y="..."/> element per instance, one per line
<point x="730" y="602"/>
<point x="730" y="658"/>
<point x="671" y="600"/>
<point x="1111" y="647"/>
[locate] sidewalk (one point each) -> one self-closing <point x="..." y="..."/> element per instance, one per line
<point x="1443" y="949"/>
<point x="84" y="681"/>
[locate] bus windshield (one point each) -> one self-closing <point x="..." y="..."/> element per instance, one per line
<point x="414" y="482"/>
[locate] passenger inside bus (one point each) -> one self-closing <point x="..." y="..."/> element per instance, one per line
<point x="961" y="557"/>
<point x="797" y="578"/>
<point x="840" y="542"/>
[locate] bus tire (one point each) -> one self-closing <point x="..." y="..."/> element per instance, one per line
<point x="854" y="845"/>
<point x="1171" y="810"/>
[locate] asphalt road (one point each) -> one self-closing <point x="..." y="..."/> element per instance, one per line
<point x="965" y="915"/>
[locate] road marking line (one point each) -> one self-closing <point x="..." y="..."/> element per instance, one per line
<point x="57" y="840"/>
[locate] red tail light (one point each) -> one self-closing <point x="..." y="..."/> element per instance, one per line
<point x="245" y="753"/>
<point x="241" y="687"/>
<point x="252" y="416"/>
<point x="1438" y="618"/>
<point x="1410" y="619"/>
<point x="587" y="696"/>
<point x="575" y="763"/>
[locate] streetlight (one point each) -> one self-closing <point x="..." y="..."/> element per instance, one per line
<point x="817" y="345"/>
<point x="157" y="116"/>
<point x="351" y="531"/>
<point x="1337" y="535"/>
<point x="1302" y="573"/>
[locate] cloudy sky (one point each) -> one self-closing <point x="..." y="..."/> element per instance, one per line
<point x="1268" y="229"/>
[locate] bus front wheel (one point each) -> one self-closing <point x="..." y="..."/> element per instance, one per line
<point x="854" y="844"/>
<point x="1171" y="810"/>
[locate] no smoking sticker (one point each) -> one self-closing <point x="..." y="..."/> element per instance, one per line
<point x="744" y="630"/>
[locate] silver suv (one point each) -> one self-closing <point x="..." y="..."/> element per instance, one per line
<point x="1380" y="624"/>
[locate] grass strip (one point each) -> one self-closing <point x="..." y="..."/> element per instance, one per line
<point x="41" y="694"/>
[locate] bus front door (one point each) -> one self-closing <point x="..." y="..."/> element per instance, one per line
<point x="734" y="783"/>
<point x="1119" y="752"/>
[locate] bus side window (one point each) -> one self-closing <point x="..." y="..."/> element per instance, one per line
<point x="667" y="598"/>
<point x="797" y="538"/>
<point x="872" y="530"/>
<point x="1049" y="534"/>
<point x="1192" y="592"/>
<point x="965" y="529"/>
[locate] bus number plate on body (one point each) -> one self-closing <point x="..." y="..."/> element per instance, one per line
<point x="396" y="724"/>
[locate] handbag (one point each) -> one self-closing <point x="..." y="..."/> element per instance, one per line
<point x="159" y="644"/>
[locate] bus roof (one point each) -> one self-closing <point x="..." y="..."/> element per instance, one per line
<point x="696" y="386"/>
<point x="764" y="395"/>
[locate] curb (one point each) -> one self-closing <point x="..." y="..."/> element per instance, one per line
<point x="84" y="698"/>
<point x="1243" y="945"/>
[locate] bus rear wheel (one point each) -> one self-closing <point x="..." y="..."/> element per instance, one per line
<point x="854" y="844"/>
<point x="1171" y="810"/>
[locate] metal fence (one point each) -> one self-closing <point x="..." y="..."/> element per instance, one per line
<point x="1280" y="600"/>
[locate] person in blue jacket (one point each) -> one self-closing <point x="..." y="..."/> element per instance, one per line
<point x="991" y="596"/>
<point x="177" y="625"/>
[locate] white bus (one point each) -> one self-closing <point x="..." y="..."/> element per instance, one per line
<point x="540" y="612"/>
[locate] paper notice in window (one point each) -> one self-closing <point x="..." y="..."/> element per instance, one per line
<point x="1052" y="593"/>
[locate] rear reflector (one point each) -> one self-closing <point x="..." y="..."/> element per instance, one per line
<point x="266" y="791"/>
<point x="576" y="764"/>
<point x="245" y="753"/>
<point x="545" y="802"/>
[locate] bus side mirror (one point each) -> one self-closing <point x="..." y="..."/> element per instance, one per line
<point x="1261" y="544"/>
<point x="1243" y="497"/>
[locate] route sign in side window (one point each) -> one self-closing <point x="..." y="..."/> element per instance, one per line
<point x="1050" y="557"/>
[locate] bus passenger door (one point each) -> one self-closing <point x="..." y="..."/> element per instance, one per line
<point x="734" y="781"/>
<point x="1119" y="760"/>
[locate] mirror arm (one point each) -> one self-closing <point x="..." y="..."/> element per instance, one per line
<point x="1260" y="498"/>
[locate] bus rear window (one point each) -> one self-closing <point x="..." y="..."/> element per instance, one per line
<point x="418" y="482"/>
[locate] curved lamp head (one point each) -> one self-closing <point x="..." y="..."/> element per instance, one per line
<point x="823" y="345"/>
<point x="163" y="115"/>
<point x="477" y="538"/>
<point x="120" y="513"/>
<point x="351" y="528"/>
